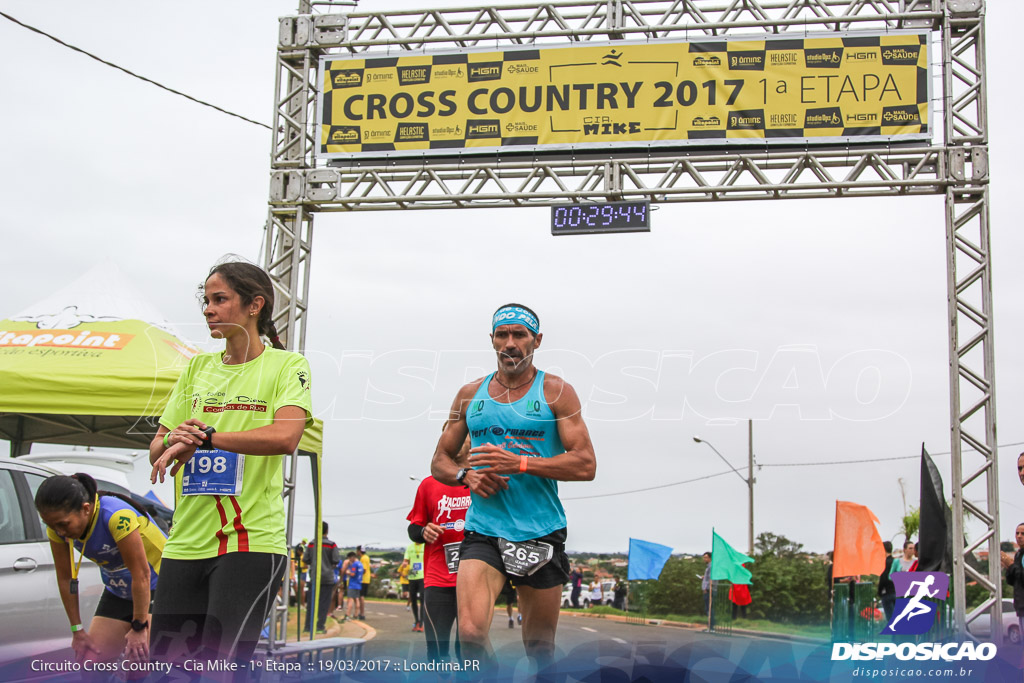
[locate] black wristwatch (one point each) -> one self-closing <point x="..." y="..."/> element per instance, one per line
<point x="461" y="476"/>
<point x="139" y="625"/>
<point x="208" y="441"/>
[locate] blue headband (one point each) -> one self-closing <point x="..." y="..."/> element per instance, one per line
<point x="515" y="315"/>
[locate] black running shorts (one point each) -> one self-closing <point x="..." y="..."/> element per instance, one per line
<point x="485" y="548"/>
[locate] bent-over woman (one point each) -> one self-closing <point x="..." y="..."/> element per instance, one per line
<point x="125" y="542"/>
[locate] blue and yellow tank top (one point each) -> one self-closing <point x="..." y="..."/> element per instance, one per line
<point x="530" y="507"/>
<point x="115" y="520"/>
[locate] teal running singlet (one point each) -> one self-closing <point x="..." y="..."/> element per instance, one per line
<point x="530" y="507"/>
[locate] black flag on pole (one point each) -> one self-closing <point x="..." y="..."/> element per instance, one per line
<point x="935" y="536"/>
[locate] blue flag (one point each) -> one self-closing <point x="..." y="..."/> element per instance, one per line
<point x="646" y="559"/>
<point x="153" y="497"/>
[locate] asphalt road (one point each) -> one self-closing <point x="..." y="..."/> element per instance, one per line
<point x="600" y="643"/>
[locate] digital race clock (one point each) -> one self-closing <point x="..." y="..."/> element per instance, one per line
<point x="598" y="217"/>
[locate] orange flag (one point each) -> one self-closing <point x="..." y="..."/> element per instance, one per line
<point x="858" y="547"/>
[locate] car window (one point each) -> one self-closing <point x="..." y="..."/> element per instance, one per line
<point x="34" y="481"/>
<point x="12" y="524"/>
<point x="111" y="487"/>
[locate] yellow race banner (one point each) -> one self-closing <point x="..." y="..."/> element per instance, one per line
<point x="814" y="90"/>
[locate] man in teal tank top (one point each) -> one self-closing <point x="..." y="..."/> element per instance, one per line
<point x="527" y="434"/>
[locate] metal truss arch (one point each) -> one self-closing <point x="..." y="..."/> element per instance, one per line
<point x="956" y="168"/>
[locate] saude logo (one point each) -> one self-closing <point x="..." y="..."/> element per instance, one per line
<point x="915" y="613"/>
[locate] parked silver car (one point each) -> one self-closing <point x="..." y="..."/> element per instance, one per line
<point x="32" y="618"/>
<point x="607" y="589"/>
<point x="982" y="626"/>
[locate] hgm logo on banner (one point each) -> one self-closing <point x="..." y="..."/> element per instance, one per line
<point x="922" y="592"/>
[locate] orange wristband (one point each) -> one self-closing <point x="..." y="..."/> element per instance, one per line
<point x="522" y="463"/>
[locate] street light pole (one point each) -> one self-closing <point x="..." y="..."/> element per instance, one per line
<point x="748" y="480"/>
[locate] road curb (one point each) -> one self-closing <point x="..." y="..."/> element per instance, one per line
<point x="345" y="629"/>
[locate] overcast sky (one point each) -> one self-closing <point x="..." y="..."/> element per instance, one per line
<point x="824" y="321"/>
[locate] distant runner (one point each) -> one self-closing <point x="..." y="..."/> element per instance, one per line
<point x="527" y="433"/>
<point x="414" y="558"/>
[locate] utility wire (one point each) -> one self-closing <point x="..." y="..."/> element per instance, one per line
<point x="709" y="476"/>
<point x="600" y="495"/>
<point x="345" y="515"/>
<point x="854" y="462"/>
<point x="792" y="464"/>
<point x="650" y="488"/>
<point x="130" y="73"/>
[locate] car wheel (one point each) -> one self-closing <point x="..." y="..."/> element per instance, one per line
<point x="1014" y="634"/>
<point x="565" y="604"/>
<point x="586" y="603"/>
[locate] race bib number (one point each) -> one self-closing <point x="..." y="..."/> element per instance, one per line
<point x="118" y="581"/>
<point x="523" y="558"/>
<point x="451" y="556"/>
<point x="417" y="566"/>
<point x="213" y="473"/>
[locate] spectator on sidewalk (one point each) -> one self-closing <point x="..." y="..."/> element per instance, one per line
<point x="1015" y="575"/>
<point x="364" y="558"/>
<point x="354" y="581"/>
<point x="329" y="558"/>
<point x="886" y="588"/>
<point x="576" y="579"/>
<point x="705" y="582"/>
<point x="621" y="590"/>
<point x="739" y="596"/>
<point x="831" y="581"/>
<point x="904" y="562"/>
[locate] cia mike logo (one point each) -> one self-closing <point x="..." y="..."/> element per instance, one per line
<point x="922" y="592"/>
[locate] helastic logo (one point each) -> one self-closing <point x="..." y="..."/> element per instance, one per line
<point x="413" y="75"/>
<point x="921" y="593"/>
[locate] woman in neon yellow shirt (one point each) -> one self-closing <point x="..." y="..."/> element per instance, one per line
<point x="229" y="422"/>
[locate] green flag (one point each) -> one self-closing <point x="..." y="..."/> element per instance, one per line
<point x="727" y="562"/>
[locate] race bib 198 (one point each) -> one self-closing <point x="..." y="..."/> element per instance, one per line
<point x="523" y="558"/>
<point x="213" y="473"/>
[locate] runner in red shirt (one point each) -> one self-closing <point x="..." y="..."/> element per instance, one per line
<point x="437" y="519"/>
